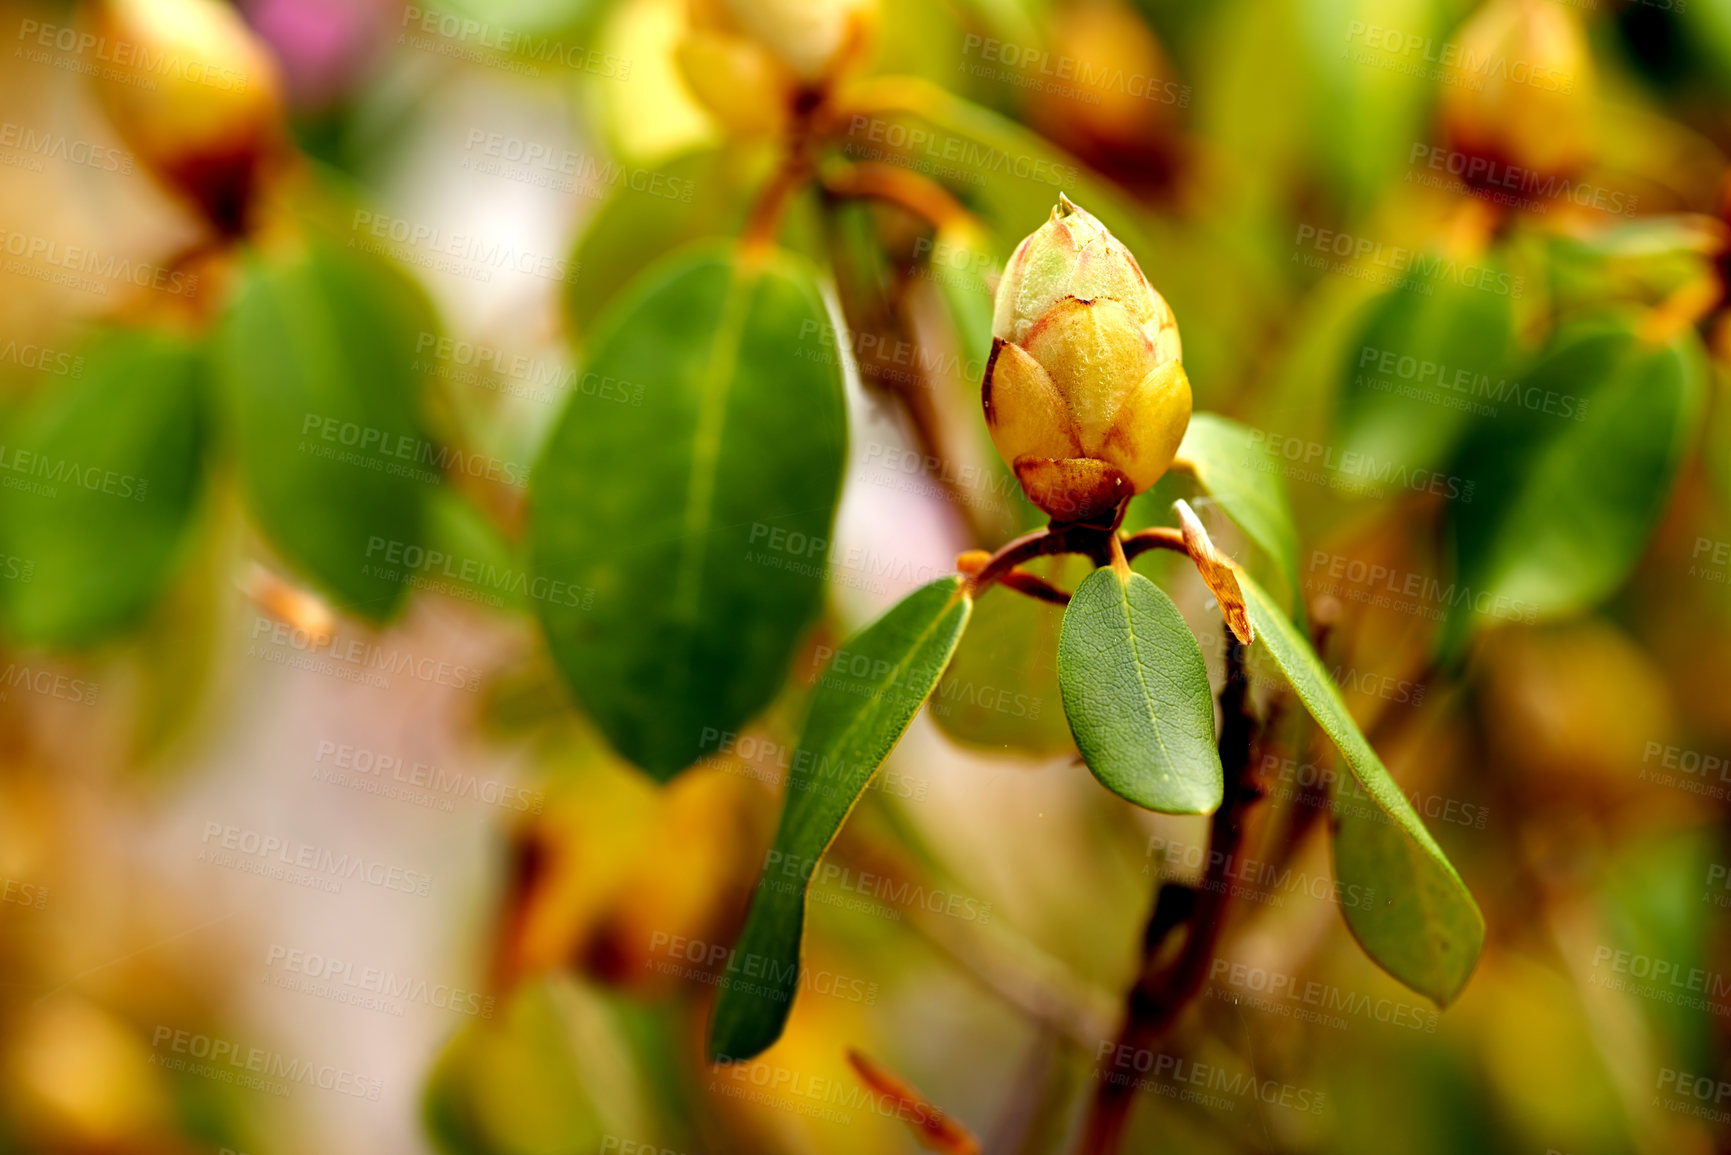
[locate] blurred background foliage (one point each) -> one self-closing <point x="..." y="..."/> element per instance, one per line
<point x="313" y="441"/>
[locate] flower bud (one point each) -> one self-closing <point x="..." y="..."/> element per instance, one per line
<point x="1517" y="92"/>
<point x="810" y="37"/>
<point x="1085" y="393"/>
<point x="196" y="96"/>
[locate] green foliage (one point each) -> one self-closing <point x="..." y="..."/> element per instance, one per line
<point x="863" y="704"/>
<point x="1244" y="477"/>
<point x="1001" y="691"/>
<point x="1568" y="492"/>
<point x="1423" y="926"/>
<point x="315" y="361"/>
<point x="703" y="195"/>
<point x="1426" y="352"/>
<point x="104" y="475"/>
<point x="1136" y="693"/>
<point x="699" y="519"/>
<point x="512" y="1085"/>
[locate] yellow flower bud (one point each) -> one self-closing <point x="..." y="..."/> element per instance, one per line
<point x="195" y="95"/>
<point x="1085" y="392"/>
<point x="809" y="36"/>
<point x="1518" y="88"/>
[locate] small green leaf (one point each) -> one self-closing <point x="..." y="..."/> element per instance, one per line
<point x="1243" y="475"/>
<point x="1001" y="691"/>
<point x="695" y="196"/>
<point x="1423" y="926"/>
<point x="1432" y="353"/>
<point x="859" y="711"/>
<point x="316" y="361"/>
<point x="1136" y="693"/>
<point x="1569" y="493"/>
<point x="102" y="480"/>
<point x="700" y="519"/>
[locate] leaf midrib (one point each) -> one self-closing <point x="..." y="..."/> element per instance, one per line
<point x="1167" y="762"/>
<point x="714" y="390"/>
<point x="847" y="733"/>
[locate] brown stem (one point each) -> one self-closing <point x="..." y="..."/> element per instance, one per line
<point x="765" y="220"/>
<point x="1034" y="586"/>
<point x="887" y="182"/>
<point x="1160" y="537"/>
<point x="1169" y="981"/>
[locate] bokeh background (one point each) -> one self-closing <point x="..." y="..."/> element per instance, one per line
<point x="278" y="874"/>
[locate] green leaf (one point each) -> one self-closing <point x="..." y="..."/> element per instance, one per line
<point x="102" y="479"/>
<point x="1423" y="926"/>
<point x="1243" y="475"/>
<point x="1001" y="690"/>
<point x="1430" y="351"/>
<point x="467" y="558"/>
<point x="1568" y="498"/>
<point x="1135" y="690"/>
<point x="513" y="1083"/>
<point x="701" y="518"/>
<point x="696" y="196"/>
<point x="315" y="358"/>
<point x="859" y="711"/>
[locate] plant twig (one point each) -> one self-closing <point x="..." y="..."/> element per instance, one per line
<point x="924" y="198"/>
<point x="1169" y="981"/>
<point x="1160" y="537"/>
